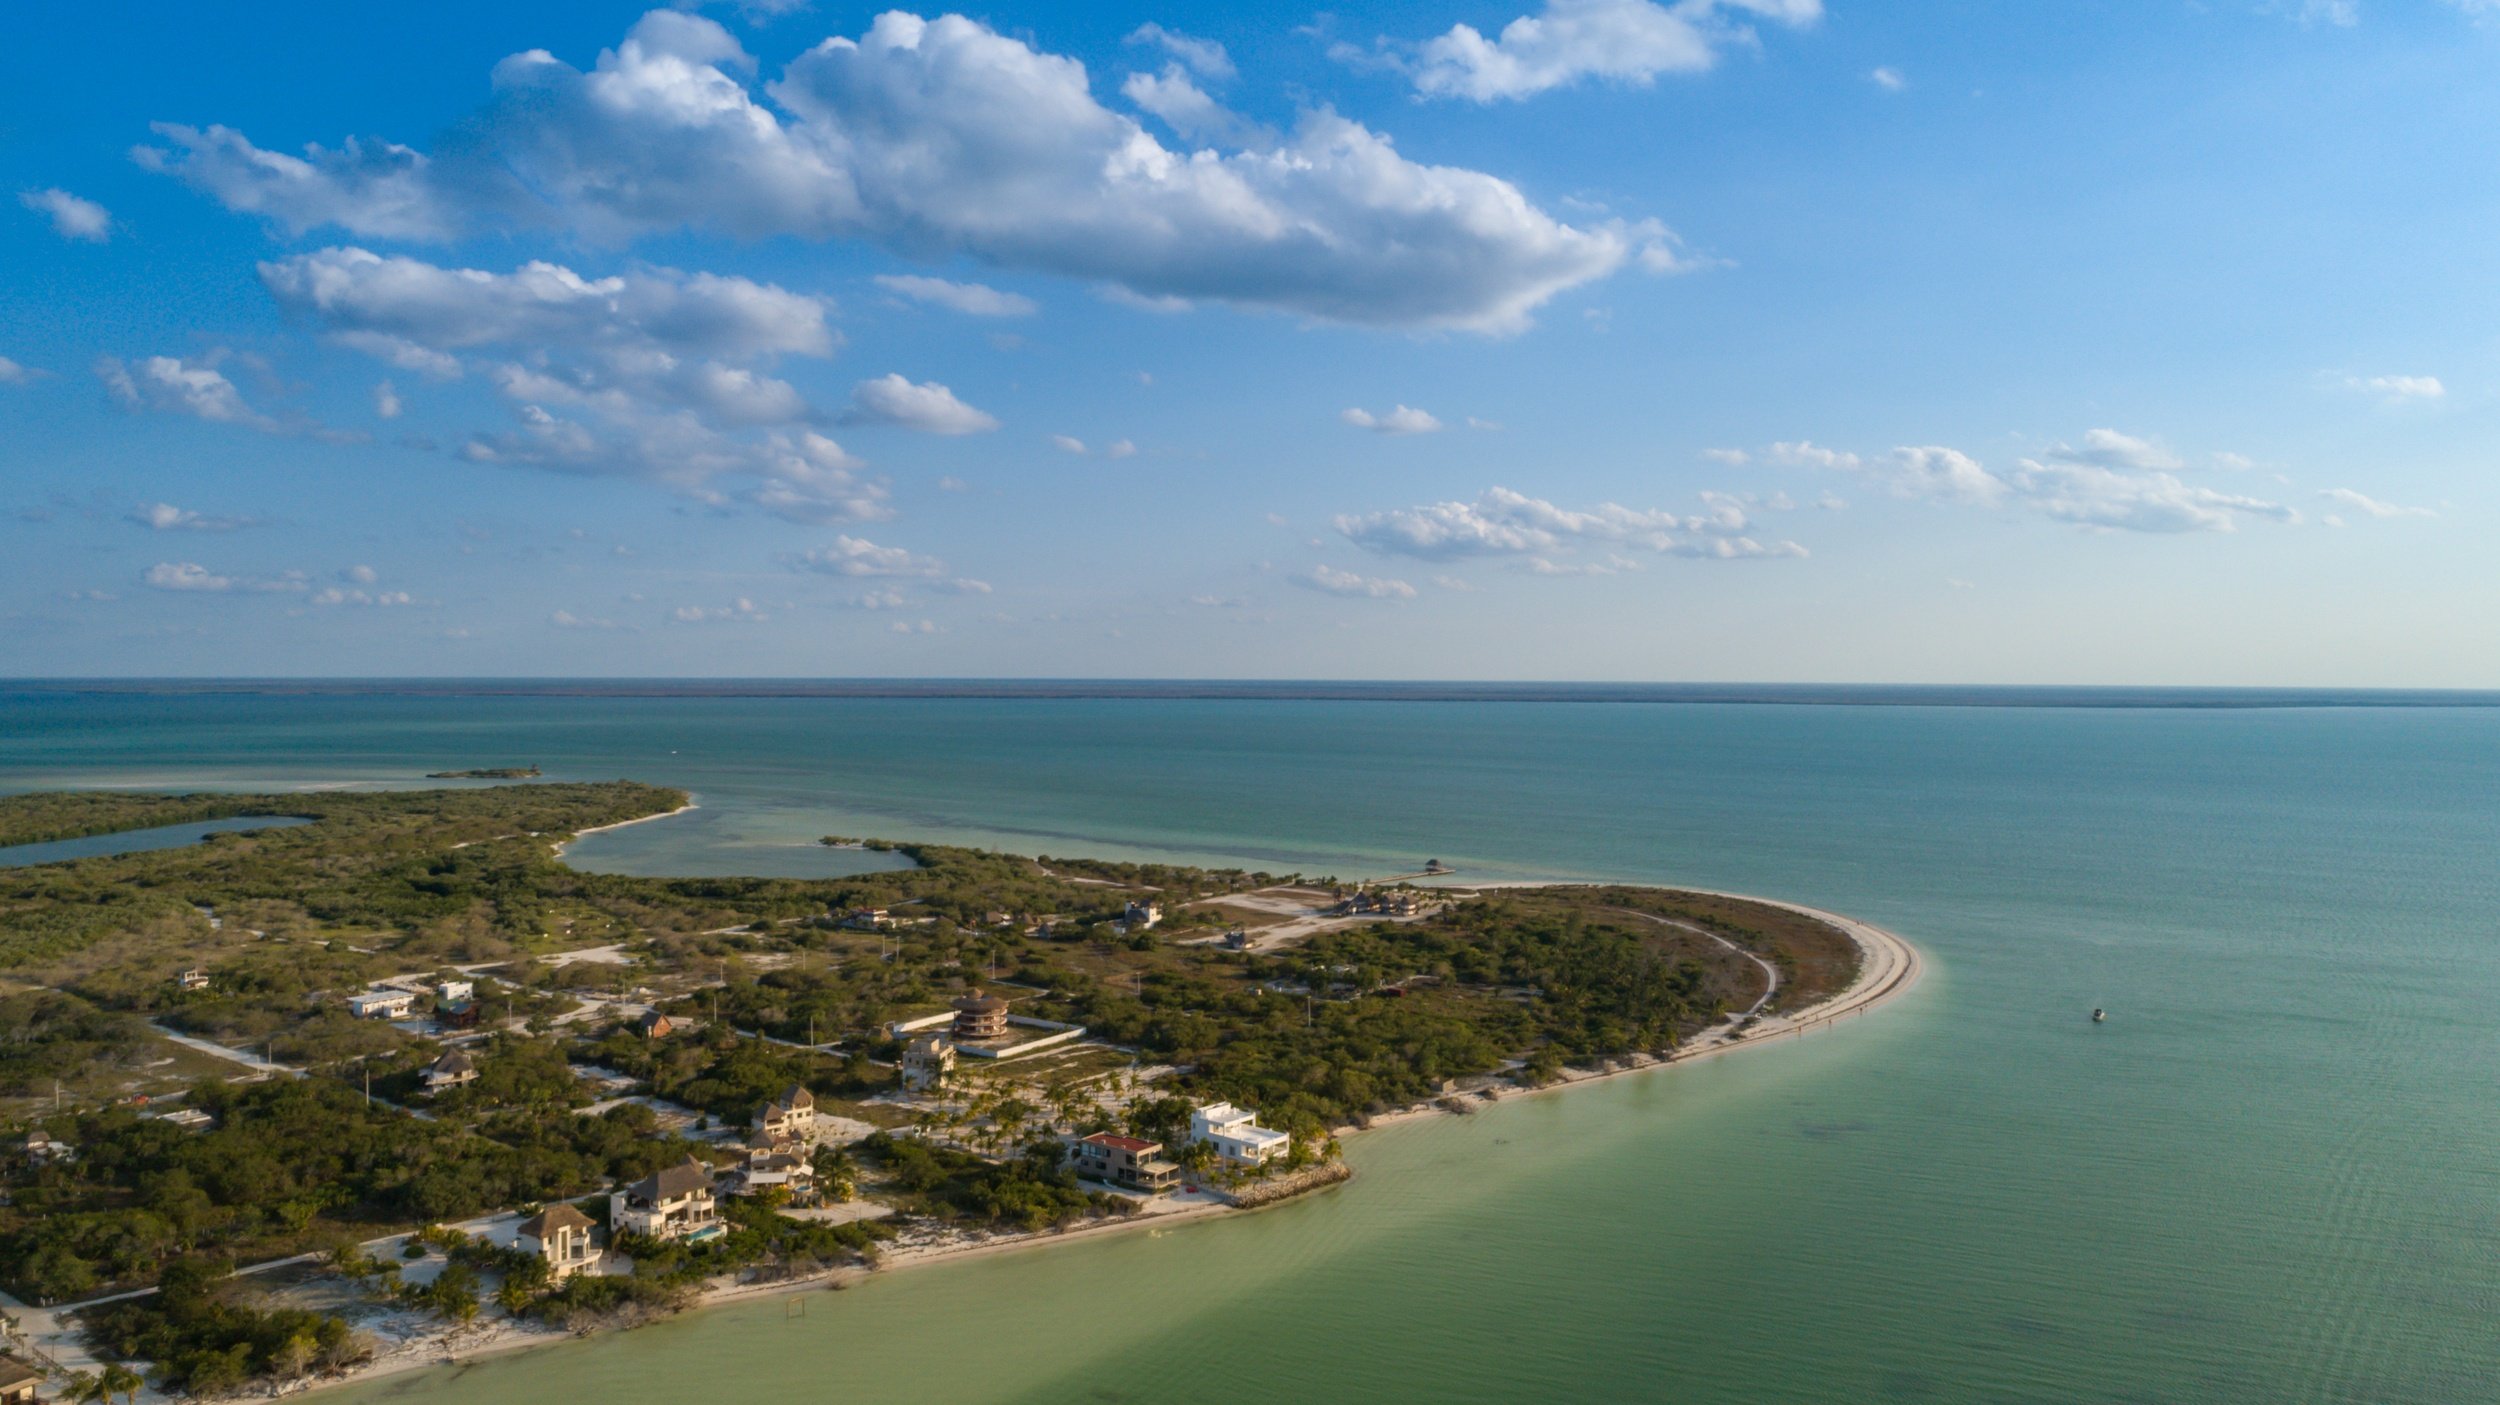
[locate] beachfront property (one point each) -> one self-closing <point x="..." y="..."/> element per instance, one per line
<point x="673" y="1203"/>
<point x="979" y="1016"/>
<point x="1362" y="903"/>
<point x="456" y="990"/>
<point x="1133" y="1162"/>
<point x="868" y="919"/>
<point x="1236" y="1135"/>
<point x="189" y="1119"/>
<point x="460" y="1014"/>
<point x="453" y="1070"/>
<point x="773" y="1168"/>
<point x="927" y="1063"/>
<point x="788" y="1118"/>
<point x="382" y="1004"/>
<point x="18" y="1381"/>
<point x="560" y="1237"/>
<point x="654" y="1025"/>
<point x="1138" y="916"/>
<point x="193" y="979"/>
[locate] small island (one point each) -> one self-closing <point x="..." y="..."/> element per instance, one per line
<point x="487" y="773"/>
<point x="497" y="1100"/>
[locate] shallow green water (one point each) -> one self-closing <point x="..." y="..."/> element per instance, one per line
<point x="2274" y="1175"/>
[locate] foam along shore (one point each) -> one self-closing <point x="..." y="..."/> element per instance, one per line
<point x="1888" y="968"/>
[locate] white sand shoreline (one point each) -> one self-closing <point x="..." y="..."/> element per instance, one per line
<point x="620" y="824"/>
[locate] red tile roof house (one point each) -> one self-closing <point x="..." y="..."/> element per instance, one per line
<point x="674" y="1203"/>
<point x="560" y="1237"/>
<point x="1132" y="1162"/>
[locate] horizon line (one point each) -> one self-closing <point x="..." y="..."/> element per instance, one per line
<point x="2094" y="695"/>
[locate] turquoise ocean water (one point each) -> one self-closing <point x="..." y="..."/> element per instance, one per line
<point x="2274" y="1175"/>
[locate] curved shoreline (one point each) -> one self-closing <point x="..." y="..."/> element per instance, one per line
<point x="621" y="824"/>
<point x="1888" y="968"/>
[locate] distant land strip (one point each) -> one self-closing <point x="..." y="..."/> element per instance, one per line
<point x="1285" y="690"/>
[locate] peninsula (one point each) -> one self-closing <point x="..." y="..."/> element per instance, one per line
<point x="344" y="1096"/>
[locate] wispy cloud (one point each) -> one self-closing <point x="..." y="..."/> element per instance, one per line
<point x="2109" y="481"/>
<point x="190" y="577"/>
<point x="1401" y="420"/>
<point x="2396" y="390"/>
<point x="1330" y="581"/>
<point x="1622" y="41"/>
<point x="1501" y="522"/>
<point x="72" y="217"/>
<point x="165" y="517"/>
<point x="970" y="299"/>
<point x="2369" y="506"/>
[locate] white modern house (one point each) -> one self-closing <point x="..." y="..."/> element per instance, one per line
<point x="673" y="1203"/>
<point x="1236" y="1135"/>
<point x="382" y="1004"/>
<point x="457" y="990"/>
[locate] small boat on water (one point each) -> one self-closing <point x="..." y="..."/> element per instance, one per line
<point x="2099" y="1014"/>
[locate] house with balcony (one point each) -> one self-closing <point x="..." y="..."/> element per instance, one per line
<point x="979" y="1016"/>
<point x="1131" y="1162"/>
<point x="777" y="1168"/>
<point x="673" y="1203"/>
<point x="1236" y="1135"/>
<point x="788" y="1118"/>
<point x="927" y="1063"/>
<point x="559" y="1236"/>
<point x="453" y="1070"/>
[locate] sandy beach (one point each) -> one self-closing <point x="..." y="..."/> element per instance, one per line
<point x="579" y="834"/>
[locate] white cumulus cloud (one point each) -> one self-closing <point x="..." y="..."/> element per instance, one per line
<point x="925" y="406"/>
<point x="859" y="557"/>
<point x="936" y="136"/>
<point x="177" y="385"/>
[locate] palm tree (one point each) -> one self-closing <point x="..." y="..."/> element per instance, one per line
<point x="120" y="1380"/>
<point x="81" y="1388"/>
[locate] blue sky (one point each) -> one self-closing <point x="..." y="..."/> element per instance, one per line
<point x="1723" y="339"/>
